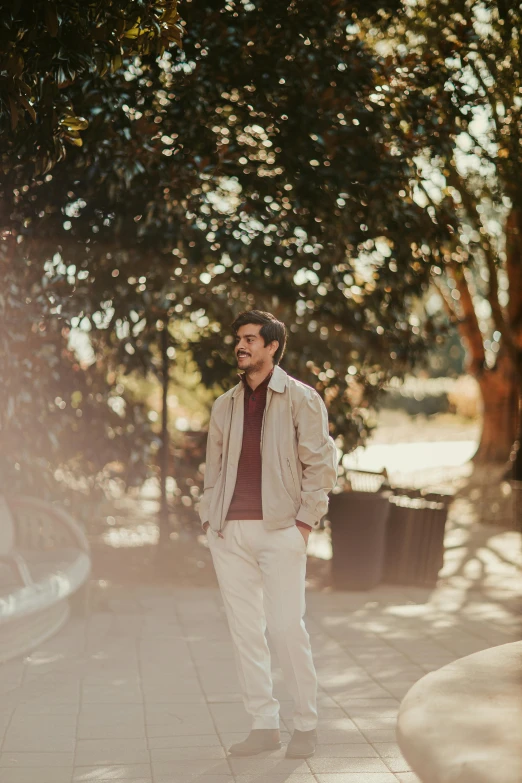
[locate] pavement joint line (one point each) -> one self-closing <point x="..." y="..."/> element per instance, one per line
<point x="192" y="659"/>
<point x="137" y="644"/>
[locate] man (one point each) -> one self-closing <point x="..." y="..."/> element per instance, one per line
<point x="270" y="466"/>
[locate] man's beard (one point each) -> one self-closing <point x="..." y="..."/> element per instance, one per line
<point x="252" y="368"/>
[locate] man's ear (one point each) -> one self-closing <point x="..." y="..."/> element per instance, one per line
<point x="276" y="343"/>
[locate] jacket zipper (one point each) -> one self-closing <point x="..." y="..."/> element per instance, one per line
<point x="268" y="400"/>
<point x="262" y="431"/>
<point x="220" y="533"/>
<point x="293" y="479"/>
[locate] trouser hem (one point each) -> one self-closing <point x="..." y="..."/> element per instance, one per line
<point x="305" y="726"/>
<point x="265" y="723"/>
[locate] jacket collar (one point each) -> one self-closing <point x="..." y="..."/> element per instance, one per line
<point x="277" y="383"/>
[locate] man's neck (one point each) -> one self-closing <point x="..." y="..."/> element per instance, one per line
<point x="255" y="378"/>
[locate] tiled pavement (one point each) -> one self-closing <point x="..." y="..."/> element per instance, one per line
<point x="144" y="690"/>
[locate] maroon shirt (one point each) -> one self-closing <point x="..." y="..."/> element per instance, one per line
<point x="247" y="501"/>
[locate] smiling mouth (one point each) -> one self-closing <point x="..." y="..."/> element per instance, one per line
<point x="243" y="356"/>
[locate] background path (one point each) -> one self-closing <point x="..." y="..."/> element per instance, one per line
<point x="145" y="690"/>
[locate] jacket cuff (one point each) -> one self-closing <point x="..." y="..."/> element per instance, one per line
<point x="303" y="515"/>
<point x="302" y="524"/>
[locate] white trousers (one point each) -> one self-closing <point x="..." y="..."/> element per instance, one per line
<point x="261" y="574"/>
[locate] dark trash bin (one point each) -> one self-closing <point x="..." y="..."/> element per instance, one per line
<point x="414" y="552"/>
<point x="358" y="524"/>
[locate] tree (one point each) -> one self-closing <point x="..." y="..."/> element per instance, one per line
<point x="264" y="165"/>
<point x="48" y="47"/>
<point x="48" y="51"/>
<point x="250" y="168"/>
<point x="52" y="405"/>
<point x="472" y="70"/>
<point x="61" y="419"/>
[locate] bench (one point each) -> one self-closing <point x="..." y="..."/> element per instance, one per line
<point x="44" y="561"/>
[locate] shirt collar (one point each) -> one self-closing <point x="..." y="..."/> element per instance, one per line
<point x="263" y="384"/>
<point x="278" y="382"/>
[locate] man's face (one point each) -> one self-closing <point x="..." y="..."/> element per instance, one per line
<point x="250" y="349"/>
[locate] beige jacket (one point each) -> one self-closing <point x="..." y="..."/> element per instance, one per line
<point x="299" y="457"/>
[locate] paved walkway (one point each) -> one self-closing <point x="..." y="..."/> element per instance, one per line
<point x="145" y="690"/>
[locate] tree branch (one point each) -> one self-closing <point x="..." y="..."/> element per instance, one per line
<point x="490" y="66"/>
<point x="468" y="322"/>
<point x="499" y="320"/>
<point x="478" y="75"/>
<point x="447" y="301"/>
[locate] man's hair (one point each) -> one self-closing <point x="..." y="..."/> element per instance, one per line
<point x="271" y="329"/>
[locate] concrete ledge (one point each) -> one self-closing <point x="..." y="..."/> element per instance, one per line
<point x="463" y="723"/>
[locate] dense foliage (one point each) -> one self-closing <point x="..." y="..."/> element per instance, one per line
<point x="55" y="412"/>
<point x="290" y="157"/>
<point x="47" y="48"/>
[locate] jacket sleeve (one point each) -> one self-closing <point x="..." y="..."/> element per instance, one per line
<point x="318" y="455"/>
<point x="212" y="464"/>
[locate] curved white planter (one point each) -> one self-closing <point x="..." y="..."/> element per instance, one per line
<point x="45" y="560"/>
<point x="463" y="722"/>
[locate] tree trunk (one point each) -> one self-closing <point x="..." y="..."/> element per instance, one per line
<point x="500" y="386"/>
<point x="514" y="311"/>
<point x="164" y="527"/>
<point x="500" y="394"/>
<point x="517" y="447"/>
